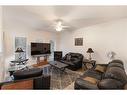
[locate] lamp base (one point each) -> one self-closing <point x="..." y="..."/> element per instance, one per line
<point x="90" y="58"/>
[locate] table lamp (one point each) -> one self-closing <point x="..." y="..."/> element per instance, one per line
<point x="90" y="51"/>
<point x="19" y="50"/>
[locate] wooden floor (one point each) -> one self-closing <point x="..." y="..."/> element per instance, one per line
<point x="40" y="64"/>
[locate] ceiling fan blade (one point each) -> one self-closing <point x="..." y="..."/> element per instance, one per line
<point x="65" y="26"/>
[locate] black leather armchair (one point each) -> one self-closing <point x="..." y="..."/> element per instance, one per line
<point x="73" y="60"/>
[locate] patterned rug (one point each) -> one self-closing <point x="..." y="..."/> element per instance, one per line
<point x="59" y="81"/>
<point x="63" y="80"/>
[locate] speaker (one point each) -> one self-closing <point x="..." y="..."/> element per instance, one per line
<point x="57" y="55"/>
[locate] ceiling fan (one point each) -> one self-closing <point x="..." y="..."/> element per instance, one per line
<point x="58" y="26"/>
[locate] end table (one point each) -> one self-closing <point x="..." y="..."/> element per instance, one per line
<point x="89" y="64"/>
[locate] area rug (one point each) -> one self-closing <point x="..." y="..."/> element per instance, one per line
<point x="60" y="82"/>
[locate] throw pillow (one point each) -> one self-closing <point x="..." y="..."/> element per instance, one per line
<point x="91" y="80"/>
<point x="100" y="68"/>
<point x="68" y="57"/>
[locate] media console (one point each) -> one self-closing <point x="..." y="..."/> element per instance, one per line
<point x="41" y="62"/>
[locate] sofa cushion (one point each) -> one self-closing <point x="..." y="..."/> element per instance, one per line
<point x="100" y="68"/>
<point x="116" y="73"/>
<point x="92" y="73"/>
<point x="91" y="80"/>
<point x="82" y="84"/>
<point x="110" y="84"/>
<point x="74" y="59"/>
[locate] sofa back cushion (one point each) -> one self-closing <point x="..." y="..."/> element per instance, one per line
<point x="76" y="55"/>
<point x="117" y="61"/>
<point x="91" y="80"/>
<point x="93" y="73"/>
<point x="68" y="58"/>
<point x="116" y="65"/>
<point x="28" y="73"/>
<point x="116" y="73"/>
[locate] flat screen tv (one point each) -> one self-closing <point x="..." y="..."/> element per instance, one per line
<point x="40" y="48"/>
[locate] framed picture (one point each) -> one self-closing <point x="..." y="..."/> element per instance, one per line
<point x="78" y="41"/>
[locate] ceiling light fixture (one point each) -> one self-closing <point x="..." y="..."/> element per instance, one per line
<point x="59" y="26"/>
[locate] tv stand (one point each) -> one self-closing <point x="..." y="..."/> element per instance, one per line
<point x="38" y="59"/>
<point x="41" y="62"/>
<point x="45" y="58"/>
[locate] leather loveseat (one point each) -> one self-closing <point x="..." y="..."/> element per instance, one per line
<point x="27" y="79"/>
<point x="112" y="76"/>
<point x="73" y="60"/>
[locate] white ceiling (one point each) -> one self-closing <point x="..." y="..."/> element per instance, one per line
<point x="43" y="17"/>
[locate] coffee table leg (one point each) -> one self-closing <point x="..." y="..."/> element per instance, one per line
<point x="51" y="70"/>
<point x="62" y="70"/>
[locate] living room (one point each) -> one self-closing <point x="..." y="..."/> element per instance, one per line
<point x="100" y="28"/>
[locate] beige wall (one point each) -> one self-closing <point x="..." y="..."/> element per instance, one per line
<point x="15" y="27"/>
<point x="35" y="36"/>
<point x="103" y="38"/>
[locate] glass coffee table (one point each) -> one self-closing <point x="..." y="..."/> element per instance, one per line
<point x="59" y="69"/>
<point x="58" y="66"/>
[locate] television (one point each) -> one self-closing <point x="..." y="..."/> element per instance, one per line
<point x="40" y="48"/>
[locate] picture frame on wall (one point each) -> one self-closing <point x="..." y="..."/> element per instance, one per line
<point x="78" y="41"/>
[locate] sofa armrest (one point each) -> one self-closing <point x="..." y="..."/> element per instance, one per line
<point x="42" y="82"/>
<point x="125" y="86"/>
<point x="76" y="61"/>
<point x="66" y="62"/>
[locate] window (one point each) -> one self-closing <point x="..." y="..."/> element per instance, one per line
<point x="1" y="40"/>
<point x="1" y="34"/>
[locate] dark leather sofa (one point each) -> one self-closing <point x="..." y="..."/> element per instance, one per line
<point x="114" y="77"/>
<point x="73" y="60"/>
<point x="28" y="79"/>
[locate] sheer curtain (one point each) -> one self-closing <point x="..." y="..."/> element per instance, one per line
<point x="1" y="33"/>
<point x="1" y="57"/>
<point x="1" y="48"/>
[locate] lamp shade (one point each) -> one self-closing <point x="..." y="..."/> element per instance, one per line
<point x="90" y="50"/>
<point x="19" y="50"/>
